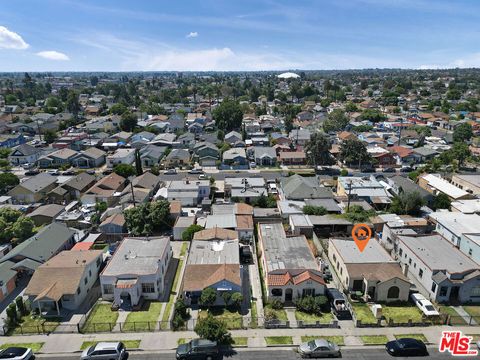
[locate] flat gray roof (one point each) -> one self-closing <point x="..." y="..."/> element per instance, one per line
<point x="373" y="252"/>
<point x="137" y="256"/>
<point x="222" y="221"/>
<point x="214" y="252"/>
<point x="438" y="254"/>
<point x="185" y="221"/>
<point x="282" y="252"/>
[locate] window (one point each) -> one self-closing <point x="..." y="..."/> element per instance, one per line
<point x="79" y="291"/>
<point x="308" y="292"/>
<point x="393" y="292"/>
<point x="90" y="273"/>
<point x="108" y="289"/>
<point x="410" y="261"/>
<point x="148" y="288"/>
<point x="341" y="271"/>
<point x="400" y="252"/>
<point x="434" y="287"/>
<point x="475" y="291"/>
<point x="334" y="258"/>
<point x="277" y="292"/>
<point x="443" y="291"/>
<point x="85" y="281"/>
<point x="470" y="252"/>
<point x="420" y="273"/>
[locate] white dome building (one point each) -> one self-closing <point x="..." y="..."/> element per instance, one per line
<point x="288" y="75"/>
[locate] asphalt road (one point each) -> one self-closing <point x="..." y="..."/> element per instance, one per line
<point x="267" y="175"/>
<point x="357" y="354"/>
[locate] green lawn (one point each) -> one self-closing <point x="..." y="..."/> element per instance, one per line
<point x="339" y="340"/>
<point x="254" y="315"/>
<point x="35" y="346"/>
<point x="374" y="339"/>
<point x="232" y="319"/>
<point x="401" y="314"/>
<point x="420" y="337"/>
<point x="364" y="314"/>
<point x="280" y="314"/>
<point x="129" y="344"/>
<point x="101" y="319"/>
<point x="33" y="325"/>
<point x="473" y="311"/>
<point x="325" y="318"/>
<point x="455" y="318"/>
<point x="279" y="340"/>
<point x="145" y="319"/>
<point x="240" y="341"/>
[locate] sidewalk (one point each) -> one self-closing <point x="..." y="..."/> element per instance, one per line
<point x="161" y="341"/>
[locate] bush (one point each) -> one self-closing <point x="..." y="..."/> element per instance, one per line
<point x="213" y="329"/>
<point x="343" y="172"/>
<point x="270" y="314"/>
<point x="237" y="299"/>
<point x="20" y="305"/>
<point x="208" y="296"/>
<point x="311" y="305"/>
<point x="276" y="304"/>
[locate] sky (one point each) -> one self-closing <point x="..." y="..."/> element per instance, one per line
<point x="228" y="35"/>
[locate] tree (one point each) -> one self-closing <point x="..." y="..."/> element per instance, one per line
<point x="7" y="181"/>
<point x="314" y="210"/>
<point x="138" y="163"/>
<point x="12" y="316"/>
<point x="463" y="132"/>
<point x="357" y="214"/>
<point x="406" y="203"/>
<point x="228" y="115"/>
<point x="124" y="170"/>
<point x="72" y="103"/>
<point x="335" y="121"/>
<point x="128" y="121"/>
<point x="236" y="299"/>
<point x="441" y="201"/>
<point x="93" y="80"/>
<point x="220" y="135"/>
<point x="213" y="329"/>
<point x="373" y="115"/>
<point x="21" y="305"/>
<point x="353" y="151"/>
<point x="208" y="296"/>
<point x="145" y="219"/>
<point x="351" y="107"/>
<point x="49" y="136"/>
<point x="188" y="233"/>
<point x="265" y="201"/>
<point x="318" y="150"/>
<point x="118" y="109"/>
<point x="459" y="152"/>
<point x="23" y="228"/>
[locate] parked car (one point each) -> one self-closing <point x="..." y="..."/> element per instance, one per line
<point x="170" y="172"/>
<point x="32" y="172"/>
<point x="406" y="169"/>
<point x="107" y="172"/>
<point x="195" y="171"/>
<point x="406" y="347"/>
<point x="389" y="170"/>
<point x="253" y="165"/>
<point x="17" y="353"/>
<point x="53" y="172"/>
<point x="319" y="348"/>
<point x="90" y="172"/>
<point x="423" y="304"/>
<point x="246" y="255"/>
<point x="105" y="350"/>
<point x="197" y="349"/>
<point x="339" y="304"/>
<point x="27" y="166"/>
<point x="202" y="177"/>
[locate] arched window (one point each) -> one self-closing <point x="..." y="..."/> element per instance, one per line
<point x="277" y="292"/>
<point x="393" y="292"/>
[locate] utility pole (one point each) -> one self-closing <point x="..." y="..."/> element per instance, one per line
<point x="348" y="196"/>
<point x="400" y="131"/>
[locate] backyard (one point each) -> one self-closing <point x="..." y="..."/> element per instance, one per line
<point x="101" y="319"/>
<point x="232" y="319"/>
<point x="145" y="319"/>
<point x="324" y="318"/>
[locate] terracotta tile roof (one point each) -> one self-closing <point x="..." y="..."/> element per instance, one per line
<point x="215" y="233"/>
<point x="243" y="209"/>
<point x="199" y="276"/>
<point x="175" y="207"/>
<point x="401" y="151"/>
<point x="285" y="278"/>
<point x="82" y="246"/>
<point x="244" y="222"/>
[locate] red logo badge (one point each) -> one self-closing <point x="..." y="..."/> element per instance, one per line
<point x="457" y="344"/>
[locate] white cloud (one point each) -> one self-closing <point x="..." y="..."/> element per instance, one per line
<point x="53" y="55"/>
<point x="11" y="40"/>
<point x="192" y="34"/>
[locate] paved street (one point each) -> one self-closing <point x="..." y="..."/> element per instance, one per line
<point x="267" y="354"/>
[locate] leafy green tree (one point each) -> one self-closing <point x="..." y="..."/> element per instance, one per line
<point x="5" y="152"/>
<point x="118" y="109"/>
<point x="128" y="122"/>
<point x="213" y="329"/>
<point x="237" y="299"/>
<point x="23" y="228"/>
<point x="314" y="210"/>
<point x="263" y="201"/>
<point x="228" y="115"/>
<point x="20" y="305"/>
<point x="357" y="214"/>
<point x="373" y="115"/>
<point x="124" y="170"/>
<point x="208" y="296"/>
<point x="335" y="121"/>
<point x="353" y="152"/>
<point x="145" y="219"/>
<point x="318" y="150"/>
<point x="459" y="153"/>
<point x="72" y="103"/>
<point x="12" y="316"/>
<point x="220" y="135"/>
<point x="226" y="296"/>
<point x="441" y="201"/>
<point x="49" y="136"/>
<point x="351" y="107"/>
<point x="463" y="132"/>
<point x="188" y="233"/>
<point x="406" y="203"/>
<point x="7" y="181"/>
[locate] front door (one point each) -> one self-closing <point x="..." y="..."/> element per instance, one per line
<point x="288" y="294"/>
<point x="454" y="290"/>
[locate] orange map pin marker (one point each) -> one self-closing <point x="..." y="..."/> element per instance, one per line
<point x="361" y="234"/>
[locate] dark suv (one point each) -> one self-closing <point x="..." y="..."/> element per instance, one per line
<point x="197" y="349"/>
